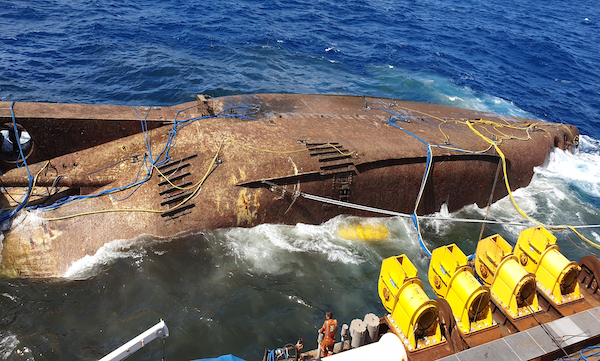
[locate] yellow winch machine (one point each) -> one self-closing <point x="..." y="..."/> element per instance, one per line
<point x="556" y="276"/>
<point x="453" y="280"/>
<point x="413" y="316"/>
<point x="509" y="279"/>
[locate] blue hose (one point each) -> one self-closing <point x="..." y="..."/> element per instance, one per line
<point x="149" y="161"/>
<point x="423" y="182"/>
<point x="8" y="215"/>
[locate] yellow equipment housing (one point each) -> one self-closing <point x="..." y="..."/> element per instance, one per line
<point x="556" y="276"/>
<point x="453" y="279"/>
<point x="511" y="285"/>
<point x="414" y="317"/>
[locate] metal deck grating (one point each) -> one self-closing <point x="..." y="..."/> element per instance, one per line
<point x="535" y="343"/>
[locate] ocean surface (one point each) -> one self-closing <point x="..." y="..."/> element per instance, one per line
<point x="240" y="291"/>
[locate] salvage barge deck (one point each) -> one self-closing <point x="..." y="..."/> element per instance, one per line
<point x="549" y="341"/>
<point x="479" y="321"/>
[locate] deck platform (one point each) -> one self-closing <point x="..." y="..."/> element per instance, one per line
<point x="545" y="342"/>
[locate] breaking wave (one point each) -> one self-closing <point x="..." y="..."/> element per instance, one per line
<point x="106" y="255"/>
<point x="275" y="249"/>
<point x="580" y="171"/>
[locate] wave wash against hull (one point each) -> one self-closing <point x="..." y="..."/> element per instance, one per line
<point x="246" y="160"/>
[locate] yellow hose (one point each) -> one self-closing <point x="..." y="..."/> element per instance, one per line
<point x="501" y="154"/>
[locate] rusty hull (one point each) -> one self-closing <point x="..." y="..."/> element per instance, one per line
<point x="340" y="147"/>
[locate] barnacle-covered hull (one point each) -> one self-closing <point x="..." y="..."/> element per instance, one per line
<point x="239" y="161"/>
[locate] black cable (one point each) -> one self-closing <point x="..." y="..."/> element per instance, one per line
<point x="6" y="191"/>
<point x="546" y="329"/>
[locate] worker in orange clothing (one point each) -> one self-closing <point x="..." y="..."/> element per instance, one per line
<point x="329" y="330"/>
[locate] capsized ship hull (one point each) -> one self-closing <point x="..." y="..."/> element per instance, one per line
<point x="239" y="161"/>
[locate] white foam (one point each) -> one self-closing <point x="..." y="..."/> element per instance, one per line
<point x="299" y="301"/>
<point x="539" y="201"/>
<point x="523" y="197"/>
<point x="10" y="297"/>
<point x="272" y="249"/>
<point x="580" y="170"/>
<point x="8" y="344"/>
<point x="90" y="266"/>
<point x="441" y="227"/>
<point x="576" y="167"/>
<point x="403" y="239"/>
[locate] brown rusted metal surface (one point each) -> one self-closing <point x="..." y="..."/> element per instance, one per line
<point x="432" y="352"/>
<point x="480" y="337"/>
<point x="569" y="308"/>
<point x="339" y="147"/>
<point x="510" y="325"/>
<point x="448" y="326"/>
<point x="67" y="181"/>
<point x="59" y="129"/>
<point x="588" y="278"/>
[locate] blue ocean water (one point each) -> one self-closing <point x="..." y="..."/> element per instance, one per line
<point x="239" y="291"/>
<point x="539" y="58"/>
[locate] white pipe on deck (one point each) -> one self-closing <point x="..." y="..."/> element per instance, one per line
<point x="156" y="331"/>
<point x="388" y="348"/>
